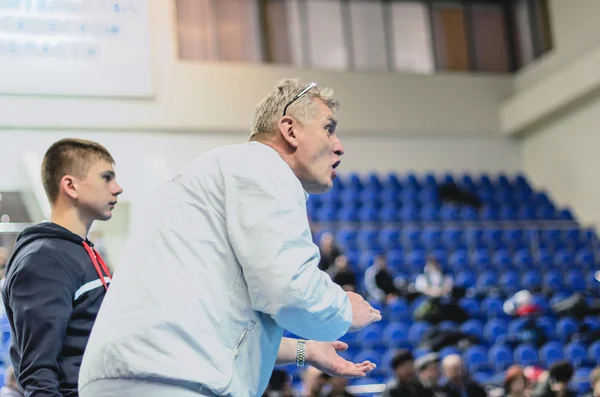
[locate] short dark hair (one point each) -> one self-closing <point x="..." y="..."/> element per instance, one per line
<point x="402" y="356"/>
<point x="561" y="371"/>
<point x="69" y="156"/>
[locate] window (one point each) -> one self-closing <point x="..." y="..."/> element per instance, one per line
<point x="411" y="37"/>
<point x="489" y="38"/>
<point x="224" y="30"/>
<point x="368" y="35"/>
<point x="282" y="25"/>
<point x="419" y="36"/>
<point x="451" y="47"/>
<point x="326" y="42"/>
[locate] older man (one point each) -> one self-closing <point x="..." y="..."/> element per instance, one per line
<point x="225" y="263"/>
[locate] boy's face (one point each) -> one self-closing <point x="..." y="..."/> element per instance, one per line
<point x="97" y="192"/>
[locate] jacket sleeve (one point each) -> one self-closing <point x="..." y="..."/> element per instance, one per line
<point x="269" y="232"/>
<point x="40" y="297"/>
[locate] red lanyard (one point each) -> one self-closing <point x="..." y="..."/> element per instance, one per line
<point x="95" y="257"/>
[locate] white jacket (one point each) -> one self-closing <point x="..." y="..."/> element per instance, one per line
<point x="204" y="290"/>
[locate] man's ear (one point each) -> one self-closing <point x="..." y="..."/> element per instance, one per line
<point x="69" y="186"/>
<point x="287" y="129"/>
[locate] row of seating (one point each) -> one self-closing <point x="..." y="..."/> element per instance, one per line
<point x="369" y="238"/>
<point x="413" y="182"/>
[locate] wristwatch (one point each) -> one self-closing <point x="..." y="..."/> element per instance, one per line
<point x="301" y="353"/>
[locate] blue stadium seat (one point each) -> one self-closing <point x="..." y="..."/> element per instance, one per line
<point x="471" y="306"/>
<point x="495" y="328"/>
<point x="575" y="281"/>
<point x="371" y="336"/>
<point x="368" y="239"/>
<point x="501" y="259"/>
<point x="489" y="213"/>
<point x="459" y="259"/>
<point x="398" y="311"/>
<point x="553" y="281"/>
<point x="396" y="335"/>
<point x="389" y="238"/>
<point x="487" y="279"/>
<point x="409" y="214"/>
<point x="576" y="353"/>
<point x="431" y="237"/>
<point x="526" y="354"/>
<point x="594" y="353"/>
<point x="417" y="331"/>
<point x="566" y="327"/>
<point x="493" y="307"/>
<point x="532" y="280"/>
<point x="592" y="322"/>
<point x="581" y="380"/>
<point x="469" y="214"/>
<point x="475" y="358"/>
<point x="550" y="353"/>
<point x="522" y="259"/>
<point x="430" y="213"/>
<point x="389" y="213"/>
<point x="346" y="214"/>
<point x="584" y="258"/>
<point x="481" y="258"/>
<point x="449" y="213"/>
<point x="452" y="238"/>
<point x="500" y="356"/>
<point x="473" y="328"/>
<point x="368" y="214"/>
<point x="510" y="282"/>
<point x="346" y="238"/>
<point x="465" y="279"/>
<point x="548" y="325"/>
<point x="395" y="259"/>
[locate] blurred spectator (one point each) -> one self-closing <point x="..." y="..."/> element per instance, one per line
<point x="428" y="370"/>
<point x="10" y="388"/>
<point x="313" y="382"/>
<point x="4" y="255"/>
<point x="458" y="382"/>
<point x="338" y="388"/>
<point x="594" y="383"/>
<point x="433" y="282"/>
<point x="379" y="282"/>
<point x="405" y="383"/>
<point x="516" y="383"/>
<point x="342" y="275"/>
<point x="280" y="385"/>
<point x="556" y="383"/>
<point x="329" y="251"/>
<point x="521" y="304"/>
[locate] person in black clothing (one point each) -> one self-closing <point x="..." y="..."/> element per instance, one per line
<point x="328" y="250"/>
<point x="458" y="382"/>
<point x="55" y="280"/>
<point x="557" y="382"/>
<point x="342" y="275"/>
<point x="380" y="283"/>
<point x="406" y="383"/>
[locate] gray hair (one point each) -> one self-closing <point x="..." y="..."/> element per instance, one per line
<point x="270" y="109"/>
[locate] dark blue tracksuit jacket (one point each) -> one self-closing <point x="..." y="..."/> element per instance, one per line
<point x="52" y="294"/>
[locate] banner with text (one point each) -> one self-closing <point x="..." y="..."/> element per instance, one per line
<point x="75" y="47"/>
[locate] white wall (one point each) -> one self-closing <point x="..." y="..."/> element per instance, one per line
<point x="556" y="110"/>
<point x="563" y="157"/>
<point x="574" y="26"/>
<point x="565" y="76"/>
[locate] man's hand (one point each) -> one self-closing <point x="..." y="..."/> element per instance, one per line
<point x="363" y="313"/>
<point x="324" y="357"/>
